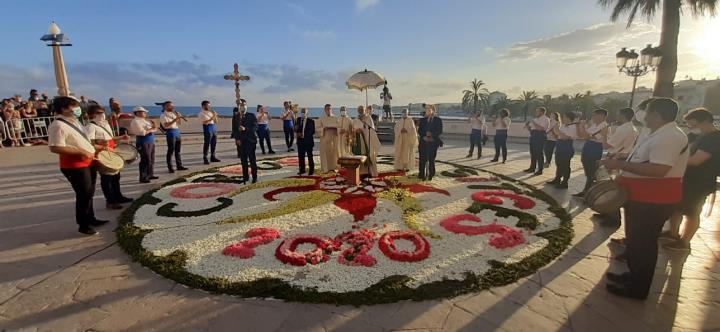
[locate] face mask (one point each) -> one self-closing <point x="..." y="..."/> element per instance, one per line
<point x="100" y="117"/>
<point x="343" y="113"/>
<point x="243" y="109"/>
<point x="77" y="111"/>
<point x="640" y="116"/>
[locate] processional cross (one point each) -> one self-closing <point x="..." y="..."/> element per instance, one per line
<point x="235" y="76"/>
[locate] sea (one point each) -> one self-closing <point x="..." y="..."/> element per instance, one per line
<point x="222" y="111"/>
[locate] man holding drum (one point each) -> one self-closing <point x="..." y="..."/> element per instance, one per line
<point x="144" y="131"/>
<point x="653" y="178"/>
<point x="100" y="132"/>
<point x="67" y="138"/>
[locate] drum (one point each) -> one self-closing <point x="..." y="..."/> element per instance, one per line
<point x="606" y="197"/>
<point x="127" y="151"/>
<point x="109" y="163"/>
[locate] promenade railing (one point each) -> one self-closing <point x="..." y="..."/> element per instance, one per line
<point x="27" y="128"/>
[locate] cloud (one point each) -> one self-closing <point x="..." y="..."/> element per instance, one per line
<point x="579" y="45"/>
<point x="361" y="5"/>
<point x="289" y="78"/>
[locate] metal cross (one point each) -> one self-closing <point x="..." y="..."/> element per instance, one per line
<point x="235" y="76"/>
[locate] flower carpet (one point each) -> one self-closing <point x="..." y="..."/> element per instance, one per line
<point x="318" y="239"/>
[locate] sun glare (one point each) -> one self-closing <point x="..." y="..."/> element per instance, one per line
<point x="707" y="45"/>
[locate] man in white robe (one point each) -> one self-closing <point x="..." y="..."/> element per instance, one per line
<point x="366" y="142"/>
<point x="406" y="140"/>
<point x="345" y="133"/>
<point x="327" y="125"/>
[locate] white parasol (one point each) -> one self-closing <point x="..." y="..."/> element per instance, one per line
<point x="365" y="80"/>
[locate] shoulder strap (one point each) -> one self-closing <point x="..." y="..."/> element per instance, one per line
<point x="82" y="133"/>
<point x="103" y="128"/>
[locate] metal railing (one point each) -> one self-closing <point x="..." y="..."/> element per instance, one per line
<point x="24" y="129"/>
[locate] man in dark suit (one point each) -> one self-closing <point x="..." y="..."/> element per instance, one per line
<point x="305" y="130"/>
<point x="429" y="131"/>
<point x="244" y="131"/>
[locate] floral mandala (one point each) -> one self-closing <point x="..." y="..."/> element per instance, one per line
<point x="318" y="239"/>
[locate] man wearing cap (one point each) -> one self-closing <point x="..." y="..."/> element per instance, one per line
<point x="209" y="121"/>
<point x="329" y="140"/>
<point x="244" y="131"/>
<point x="144" y="131"/>
<point x="305" y="130"/>
<point x="170" y="121"/>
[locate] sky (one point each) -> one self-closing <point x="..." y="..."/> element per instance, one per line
<point x="429" y="51"/>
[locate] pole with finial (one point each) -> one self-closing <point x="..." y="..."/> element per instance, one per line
<point x="235" y="76"/>
<point x="57" y="39"/>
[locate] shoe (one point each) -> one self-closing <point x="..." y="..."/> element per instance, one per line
<point x="98" y="222"/>
<point x="153" y="177"/>
<point x="554" y="181"/>
<point x="254" y="180"/>
<point x="561" y="185"/>
<point x="263" y="152"/>
<point x="126" y="200"/>
<point x="144" y="181"/>
<point x="469" y="155"/>
<point x="529" y="170"/>
<point x="618" y="278"/>
<point x="429" y="178"/>
<point x="625" y="291"/>
<point x="494" y="160"/>
<point x="479" y="157"/>
<point x="667" y="236"/>
<point x="678" y="245"/>
<point x="214" y="160"/>
<point x="206" y="162"/>
<point x="537" y="173"/>
<point x="422" y="177"/>
<point x="170" y="170"/>
<point x="618" y="241"/>
<point x="301" y="173"/>
<point x="271" y="152"/>
<point x="580" y="194"/>
<point x="311" y="173"/>
<point x="182" y="168"/>
<point x="113" y="206"/>
<point x="87" y="230"/>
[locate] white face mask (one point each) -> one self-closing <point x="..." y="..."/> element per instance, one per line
<point x="100" y="117"/>
<point x="243" y="109"/>
<point x="640" y="116"/>
<point x="343" y="113"/>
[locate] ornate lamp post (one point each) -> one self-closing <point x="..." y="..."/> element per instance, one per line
<point x="58" y="39"/>
<point x="628" y="63"/>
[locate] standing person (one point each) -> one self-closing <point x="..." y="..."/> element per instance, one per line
<point x="566" y="134"/>
<point x="305" y="130"/>
<point x="406" y="141"/>
<point x="619" y="144"/>
<point x="501" y="125"/>
<point x="329" y="140"/>
<point x="170" y="121"/>
<point x="366" y="142"/>
<point x="345" y="135"/>
<point x="144" y="131"/>
<point x="429" y="129"/>
<point x="594" y="134"/>
<point x="386" y="96"/>
<point x="100" y="132"/>
<point x="244" y="131"/>
<point x="371" y="112"/>
<point x="288" y="117"/>
<point x="551" y="137"/>
<point x="699" y="180"/>
<point x="538" y="133"/>
<point x="263" y="128"/>
<point x="235" y="124"/>
<point x="68" y="139"/>
<point x="653" y="179"/>
<point x="477" y="122"/>
<point x="209" y="121"/>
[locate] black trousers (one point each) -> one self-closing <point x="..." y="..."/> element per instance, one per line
<point x="549" y="149"/>
<point x="591" y="155"/>
<point x="644" y="223"/>
<point x="248" y="160"/>
<point x="500" y="141"/>
<point x="428" y="152"/>
<point x="304" y="151"/>
<point x="173" y="148"/>
<point x="289" y="137"/>
<point x="209" y="143"/>
<point x="264" y="137"/>
<point x="82" y="181"/>
<point x="563" y="155"/>
<point x="110" y="185"/>
<point x="476" y="137"/>
<point x="537" y="144"/>
<point x="147" y="160"/>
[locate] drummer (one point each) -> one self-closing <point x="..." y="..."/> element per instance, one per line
<point x="653" y="178"/>
<point x="67" y="138"/>
<point x="100" y="132"/>
<point x="144" y="131"/>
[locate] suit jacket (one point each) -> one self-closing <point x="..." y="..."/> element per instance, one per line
<point x="249" y="121"/>
<point x="435" y="128"/>
<point x="308" y="140"/>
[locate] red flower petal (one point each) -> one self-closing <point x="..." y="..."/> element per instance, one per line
<point x="494" y="197"/>
<point x="358" y="206"/>
<point x="421" y="188"/>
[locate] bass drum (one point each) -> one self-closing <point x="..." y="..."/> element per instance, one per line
<point x="109" y="163"/>
<point x="606" y="197"/>
<point x="127" y="151"/>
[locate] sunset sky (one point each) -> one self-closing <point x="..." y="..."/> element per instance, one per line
<point x="146" y="51"/>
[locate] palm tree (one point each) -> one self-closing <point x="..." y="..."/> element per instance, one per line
<point x="526" y="99"/>
<point x="547" y="100"/>
<point x="671" y="10"/>
<point x="500" y="103"/>
<point x="476" y="94"/>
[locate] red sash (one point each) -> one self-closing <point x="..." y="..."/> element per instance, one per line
<point x="653" y="190"/>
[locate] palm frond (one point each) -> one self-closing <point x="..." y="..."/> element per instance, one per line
<point x="702" y="7"/>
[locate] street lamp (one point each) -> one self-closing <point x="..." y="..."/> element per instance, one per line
<point x="58" y="39"/>
<point x="636" y="65"/>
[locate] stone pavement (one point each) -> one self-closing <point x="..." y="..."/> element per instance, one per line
<point x="54" y="279"/>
